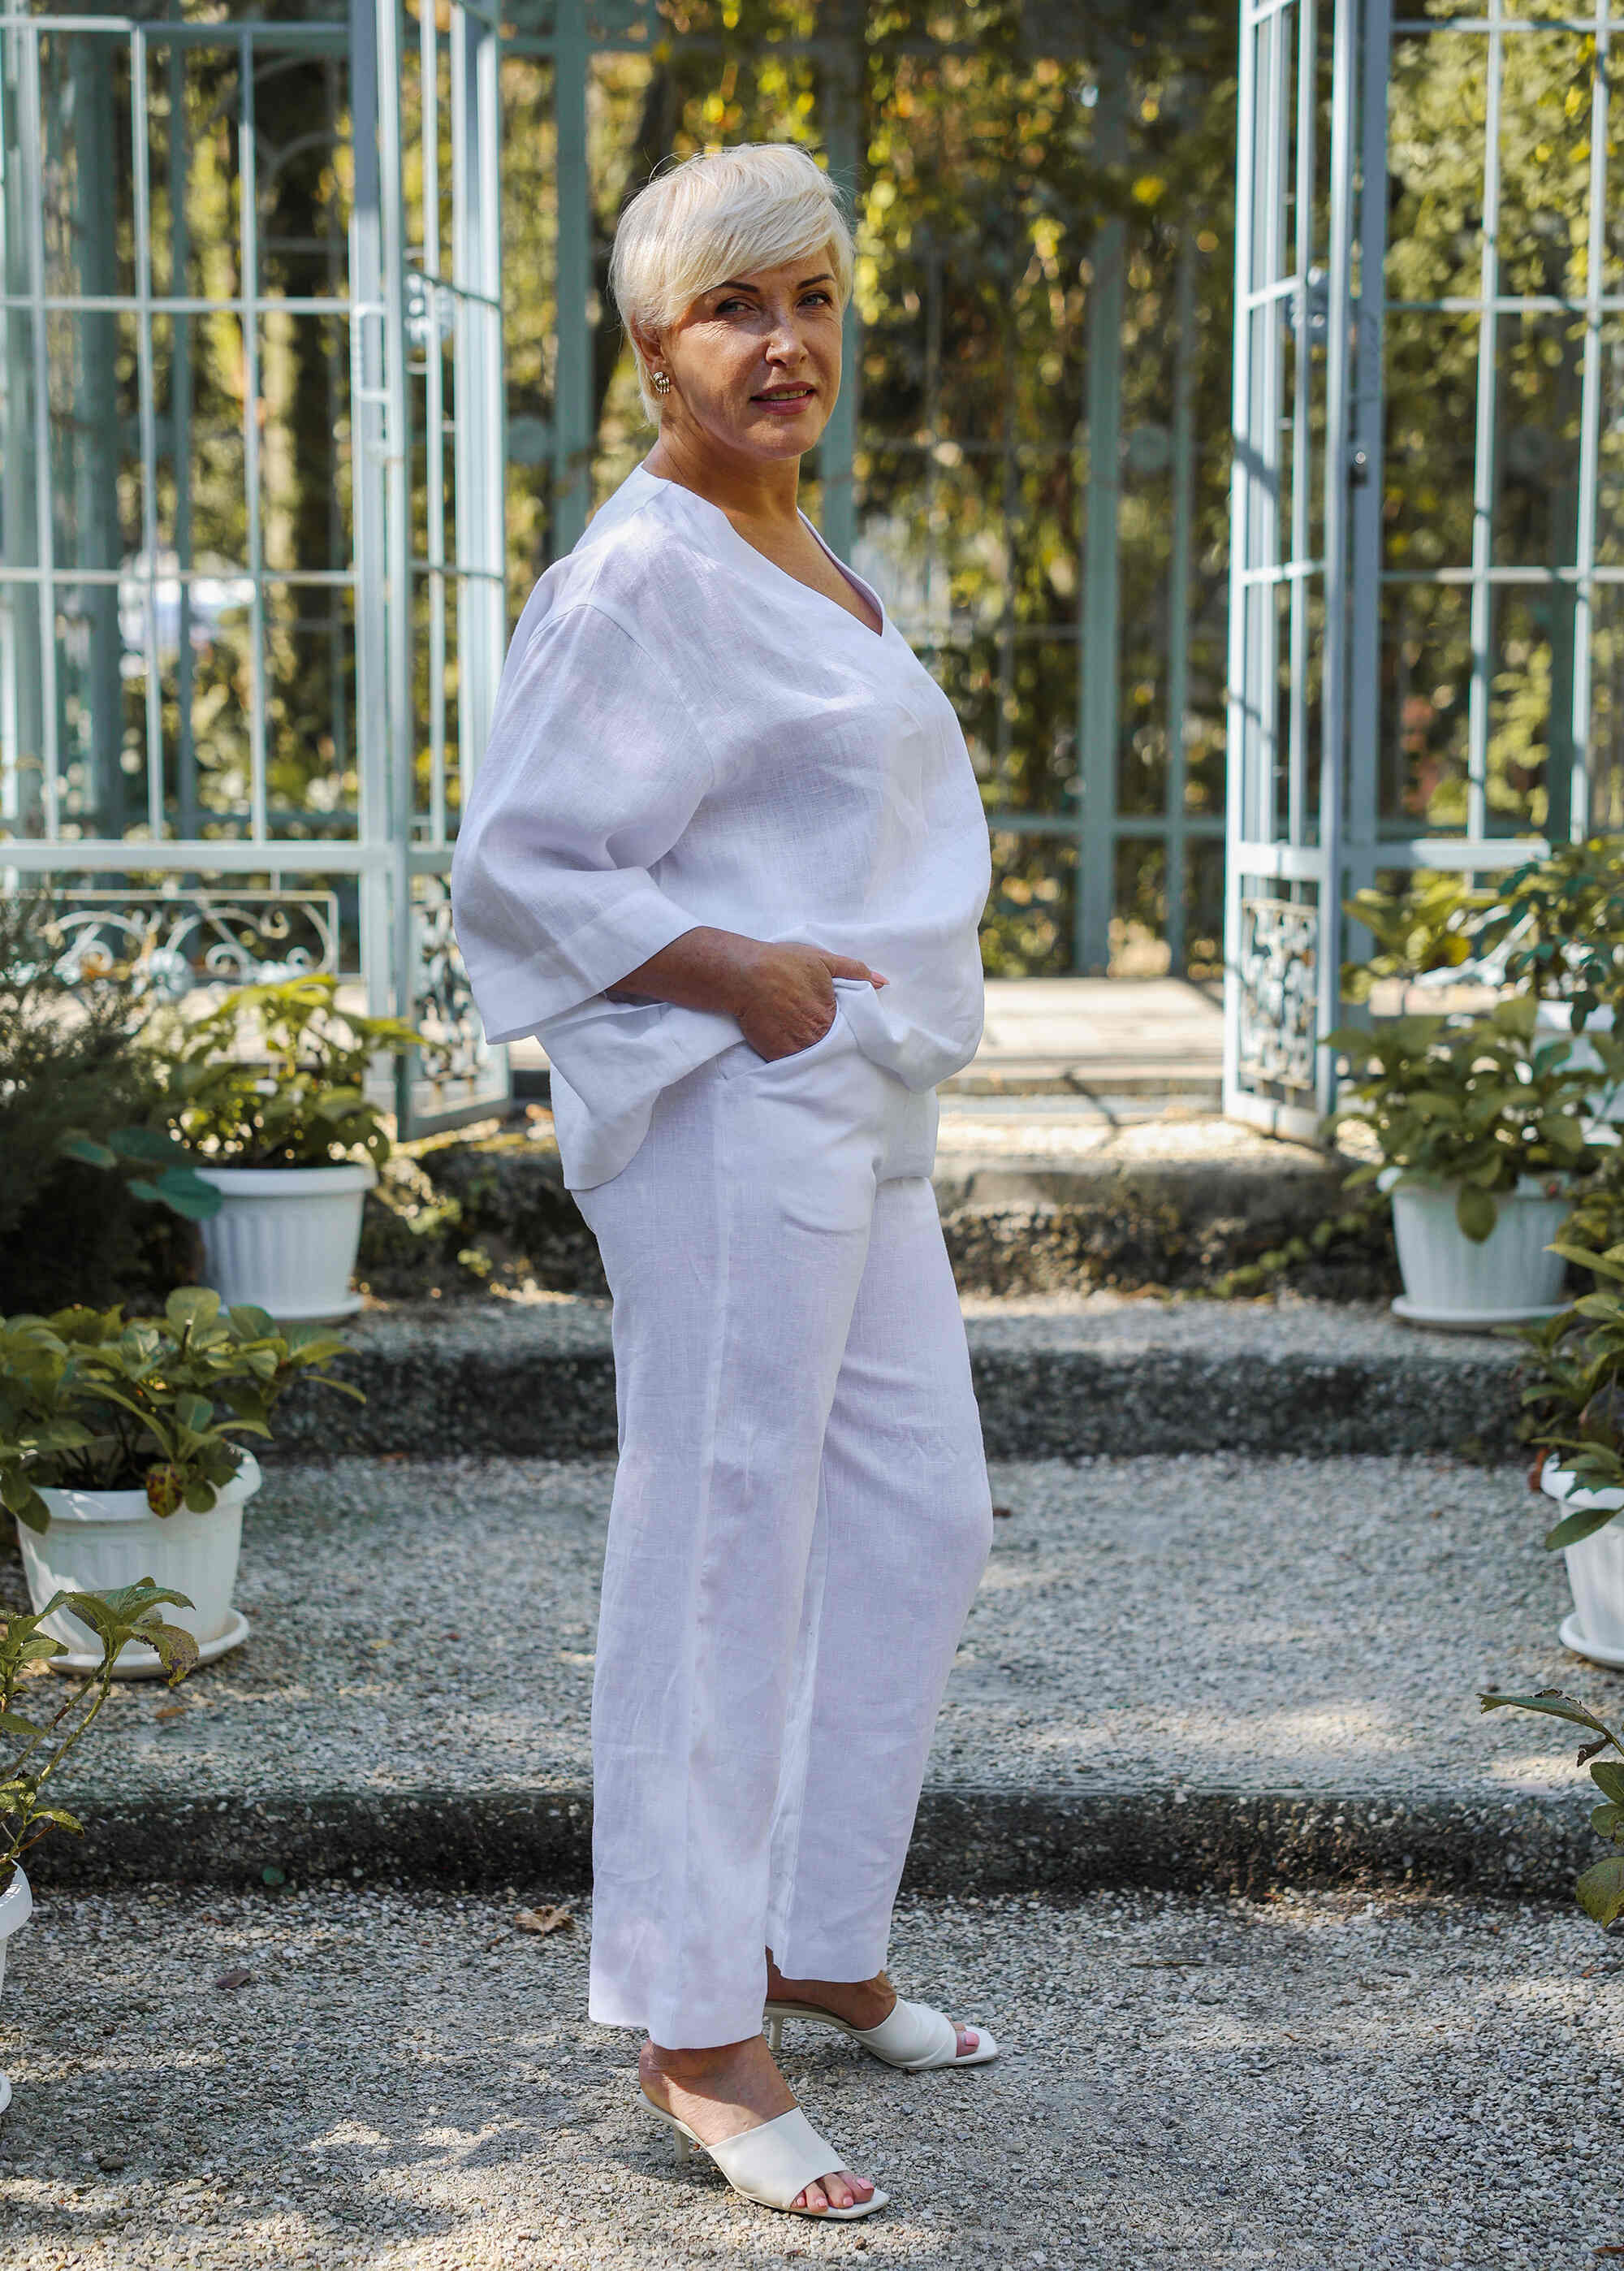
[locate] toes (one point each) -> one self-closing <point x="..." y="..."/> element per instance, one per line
<point x="813" y="2199"/>
<point x="968" y="2041"/>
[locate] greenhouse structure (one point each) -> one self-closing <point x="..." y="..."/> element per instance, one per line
<point x="1234" y="422"/>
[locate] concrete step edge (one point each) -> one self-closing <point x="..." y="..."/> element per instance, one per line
<point x="965" y="1841"/>
<point x="518" y="1399"/>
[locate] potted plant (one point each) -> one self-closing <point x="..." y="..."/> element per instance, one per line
<point x="34" y="1744"/>
<point x="118" y="1453"/>
<point x="1558" y="931"/>
<point x="1479" y="1135"/>
<point x="1600" y="1890"/>
<point x="268" y="1092"/>
<point x="1574" y="1394"/>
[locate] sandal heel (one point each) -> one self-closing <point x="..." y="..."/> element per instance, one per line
<point x="775" y="2036"/>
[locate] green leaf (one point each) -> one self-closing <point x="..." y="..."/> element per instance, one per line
<point x="144" y="1143"/>
<point x="76" y="1829"/>
<point x="1608" y="1821"/>
<point x="1475" y="1211"/>
<point x="191" y="1305"/>
<point x="1600" y="1890"/>
<point x="177" y="1649"/>
<point x="185" y="1193"/>
<point x="1551" y="1701"/>
<point x="12" y="1722"/>
<point x="77" y="1145"/>
<point x="1574" y="1527"/>
<point x="1609" y="1779"/>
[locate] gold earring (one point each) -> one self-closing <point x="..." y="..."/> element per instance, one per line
<point x="662" y="382"/>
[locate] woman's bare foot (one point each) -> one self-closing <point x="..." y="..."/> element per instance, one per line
<point x="862" y="2003"/>
<point x="722" y="2093"/>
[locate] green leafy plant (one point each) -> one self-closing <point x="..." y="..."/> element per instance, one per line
<point x="1431" y="927"/>
<point x="1560" y="920"/>
<point x="1600" y="1890"/>
<point x="1474" y="1102"/>
<point x="275" y="1077"/>
<point x="90" y="1400"/>
<point x="92" y="1194"/>
<point x="1573" y="1393"/>
<point x="46" y="1737"/>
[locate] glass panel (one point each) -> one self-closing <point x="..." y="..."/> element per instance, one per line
<point x="20" y="534"/>
<point x="199" y="377"/>
<point x="1431" y="413"/>
<point x="219" y="675"/>
<point x="88" y="189"/>
<point x="312" y="786"/>
<point x="1545" y="158"/>
<point x="22" y="713"/>
<point x="1027" y="929"/>
<point x="1425" y="691"/>
<point x="1138" y="926"/>
<point x="196" y="200"/>
<point x="1610" y="455"/>
<point x="1435" y="109"/>
<point x="305" y="468"/>
<point x="1532" y="657"/>
<point x="1606" y="811"/>
<point x="305" y="175"/>
<point x="1538" y="409"/>
<point x="94" y="433"/>
<point x="1204" y="908"/>
<point x="101" y="724"/>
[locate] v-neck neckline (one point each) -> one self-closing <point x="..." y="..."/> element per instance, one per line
<point x="742" y="544"/>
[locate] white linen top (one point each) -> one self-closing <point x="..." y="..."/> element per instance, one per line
<point x="686" y="734"/>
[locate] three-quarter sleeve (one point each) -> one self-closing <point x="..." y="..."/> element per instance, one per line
<point x="592" y="772"/>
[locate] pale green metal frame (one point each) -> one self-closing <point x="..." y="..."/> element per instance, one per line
<point x="409" y="317"/>
<point x="1304" y="820"/>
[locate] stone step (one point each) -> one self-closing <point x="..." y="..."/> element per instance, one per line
<point x="1037" y="1195"/>
<point x="1057" y="1377"/>
<point x="1178" y="1670"/>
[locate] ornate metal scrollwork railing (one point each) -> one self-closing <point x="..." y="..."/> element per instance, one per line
<point x="179" y="941"/>
<point x="1277" y="980"/>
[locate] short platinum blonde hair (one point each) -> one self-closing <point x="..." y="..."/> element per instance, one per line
<point x="708" y="218"/>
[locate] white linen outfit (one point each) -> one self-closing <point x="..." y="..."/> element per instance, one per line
<point x="686" y="734"/>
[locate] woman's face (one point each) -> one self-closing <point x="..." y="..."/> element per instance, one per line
<point x="755" y="362"/>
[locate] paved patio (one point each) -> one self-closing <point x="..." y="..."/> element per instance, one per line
<point x="1105" y="1039"/>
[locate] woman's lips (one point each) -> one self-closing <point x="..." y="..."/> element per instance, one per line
<point x="785" y="404"/>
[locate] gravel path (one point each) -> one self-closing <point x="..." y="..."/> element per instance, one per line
<point x="1195" y="1623"/>
<point x="410" y="2085"/>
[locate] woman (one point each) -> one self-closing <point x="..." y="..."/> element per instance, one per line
<point x="726" y="855"/>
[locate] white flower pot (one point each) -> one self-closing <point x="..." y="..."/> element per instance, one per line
<point x="1507" y="1279"/>
<point x="97" y="1540"/>
<point x="1556" y="1022"/>
<point x="1595" y="1570"/>
<point x="16" y="1908"/>
<point x="285" y="1238"/>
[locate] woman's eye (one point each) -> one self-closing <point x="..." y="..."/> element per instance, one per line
<point x="727" y="307"/>
<point x="820" y="299"/>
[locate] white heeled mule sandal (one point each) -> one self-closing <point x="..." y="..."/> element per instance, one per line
<point x="911" y="2036"/>
<point x="773" y="2163"/>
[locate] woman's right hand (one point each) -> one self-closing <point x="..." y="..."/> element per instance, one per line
<point x="785" y="1000"/>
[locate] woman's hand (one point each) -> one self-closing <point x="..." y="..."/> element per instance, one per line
<point x="782" y="996"/>
<point x="787" y="997"/>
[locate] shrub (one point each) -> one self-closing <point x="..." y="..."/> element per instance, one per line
<point x="81" y="1167"/>
<point x="276" y="1077"/>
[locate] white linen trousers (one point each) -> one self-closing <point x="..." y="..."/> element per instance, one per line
<point x="800" y="1519"/>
